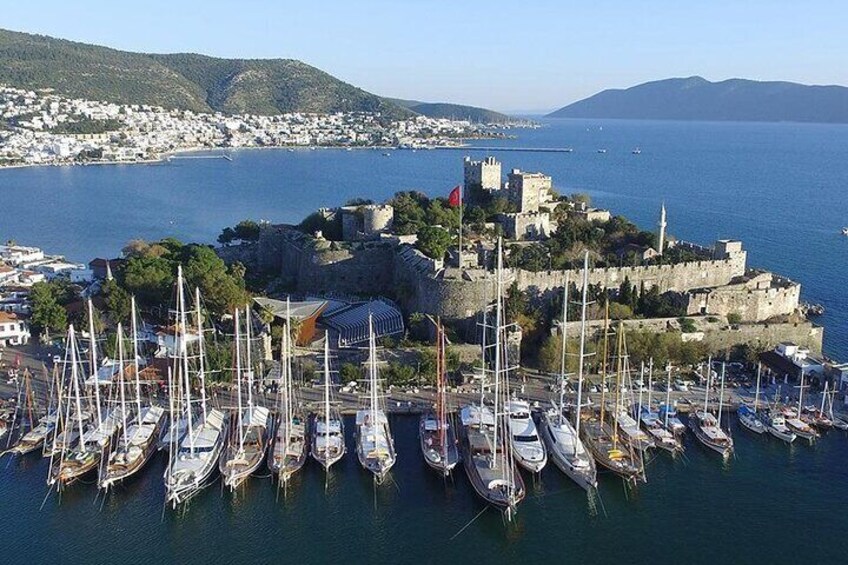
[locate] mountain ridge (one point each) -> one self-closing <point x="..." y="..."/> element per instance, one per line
<point x="190" y="81"/>
<point x="735" y="99"/>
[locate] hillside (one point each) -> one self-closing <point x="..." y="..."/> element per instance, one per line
<point x="188" y="81"/>
<point x="695" y="98"/>
<point x="454" y="111"/>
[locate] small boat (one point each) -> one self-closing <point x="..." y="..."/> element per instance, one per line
<point x="793" y="417"/>
<point x="602" y="151"/>
<point x="328" y="444"/>
<point x="816" y="415"/>
<point x="138" y="442"/>
<point x="707" y="427"/>
<point x="662" y="437"/>
<point x="636" y="151"/>
<point x="845" y="230"/>
<point x="193" y="458"/>
<point x="487" y="451"/>
<point x="603" y="439"/>
<point x="748" y="417"/>
<point x="527" y="447"/>
<point x="776" y="426"/>
<point x="839" y="419"/>
<point x="631" y="432"/>
<point x="668" y="416"/>
<point x="375" y="446"/>
<point x="288" y="450"/>
<point x="561" y="437"/>
<point x="245" y="451"/>
<point x="436" y="434"/>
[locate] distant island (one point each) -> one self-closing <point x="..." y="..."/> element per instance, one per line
<point x="189" y="81"/>
<point x="696" y="98"/>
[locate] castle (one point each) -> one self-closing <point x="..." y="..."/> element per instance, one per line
<point x="373" y="261"/>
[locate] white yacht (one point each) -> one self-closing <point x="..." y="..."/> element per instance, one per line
<point x="328" y="442"/>
<point x="527" y="447"/>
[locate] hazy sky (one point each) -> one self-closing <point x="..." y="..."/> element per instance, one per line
<point x="506" y="55"/>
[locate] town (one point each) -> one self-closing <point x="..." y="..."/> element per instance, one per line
<point x="43" y="128"/>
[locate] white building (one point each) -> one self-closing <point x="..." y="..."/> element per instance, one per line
<point x="13" y="331"/>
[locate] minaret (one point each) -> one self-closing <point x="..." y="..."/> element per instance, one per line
<point x="109" y="276"/>
<point x="662" y="226"/>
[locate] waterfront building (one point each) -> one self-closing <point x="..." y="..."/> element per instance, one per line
<point x="13" y="330"/>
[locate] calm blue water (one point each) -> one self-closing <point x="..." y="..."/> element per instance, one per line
<point x="781" y="188"/>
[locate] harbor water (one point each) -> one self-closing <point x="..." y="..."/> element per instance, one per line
<point x="778" y="187"/>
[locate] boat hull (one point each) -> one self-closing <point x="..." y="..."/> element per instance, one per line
<point x="506" y="498"/>
<point x="119" y="472"/>
<point x="722" y="449"/>
<point x="586" y="477"/>
<point x="442" y="460"/>
<point x="786" y="436"/>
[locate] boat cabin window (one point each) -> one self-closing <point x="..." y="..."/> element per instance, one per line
<point x="526" y="439"/>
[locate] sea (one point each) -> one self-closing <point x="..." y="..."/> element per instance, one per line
<point x="780" y="188"/>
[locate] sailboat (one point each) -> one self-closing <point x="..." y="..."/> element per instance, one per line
<point x="840" y="422"/>
<point x="138" y="442"/>
<point x="668" y="413"/>
<point x="375" y="446"/>
<point x="707" y="427"/>
<point x="793" y="417"/>
<point x="248" y="437"/>
<point x="288" y="443"/>
<point x="816" y="415"/>
<point x="662" y="437"/>
<point x="562" y="438"/>
<point x="328" y="442"/>
<point x="487" y="454"/>
<point x="95" y="440"/>
<point x="29" y="426"/>
<point x="603" y="438"/>
<point x="748" y="417"/>
<point x="192" y="458"/>
<point x="436" y="434"/>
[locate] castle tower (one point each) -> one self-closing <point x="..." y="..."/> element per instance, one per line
<point x="662" y="225"/>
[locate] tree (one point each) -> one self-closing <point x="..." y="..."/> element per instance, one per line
<point x="47" y="313"/>
<point x="349" y="372"/>
<point x="118" y="301"/>
<point x="247" y="230"/>
<point x="228" y="235"/>
<point x="149" y="278"/>
<point x="433" y="241"/>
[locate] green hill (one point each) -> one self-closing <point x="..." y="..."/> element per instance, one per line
<point x="454" y="111"/>
<point x="188" y="81"/>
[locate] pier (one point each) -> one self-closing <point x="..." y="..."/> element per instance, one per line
<point x="504" y="149"/>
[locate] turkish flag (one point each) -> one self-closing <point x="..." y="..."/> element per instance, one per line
<point x="455" y="197"/>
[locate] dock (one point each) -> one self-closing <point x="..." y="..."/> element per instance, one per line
<point x="496" y="148"/>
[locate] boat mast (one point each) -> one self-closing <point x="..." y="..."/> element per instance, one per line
<point x="667" y="394"/>
<point x="641" y="384"/>
<point x="372" y="373"/>
<point x="441" y="392"/>
<point x="604" y="364"/>
<point x="497" y="360"/>
<point x="650" y="381"/>
<point x="801" y="394"/>
<point x="249" y="371"/>
<point x="200" y="352"/>
<point x="757" y="393"/>
<point x="326" y="393"/>
<point x="182" y="329"/>
<point x="134" y="323"/>
<point x="93" y="356"/>
<point x="582" y="347"/>
<point x="721" y="396"/>
<point x="824" y="396"/>
<point x="238" y="382"/>
<point x="78" y="401"/>
<point x="122" y="384"/>
<point x="707" y="387"/>
<point x="564" y="345"/>
<point x="619" y="368"/>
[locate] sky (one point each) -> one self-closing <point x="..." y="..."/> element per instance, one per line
<point x="527" y="56"/>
